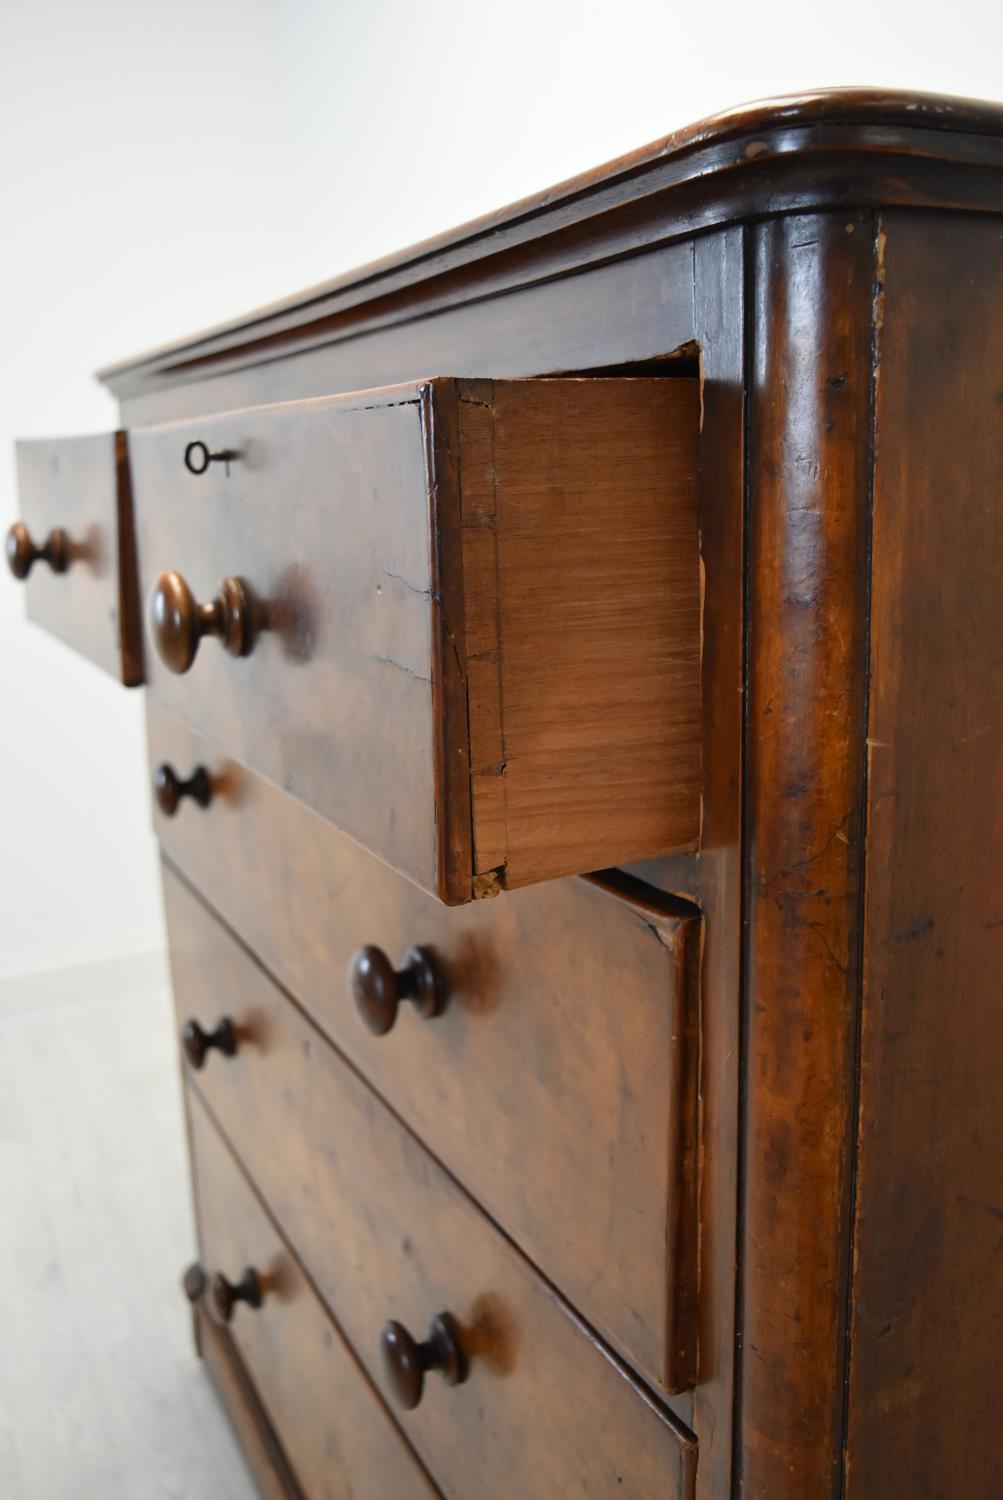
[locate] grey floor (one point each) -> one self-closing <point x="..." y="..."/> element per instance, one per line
<point x="101" y="1396"/>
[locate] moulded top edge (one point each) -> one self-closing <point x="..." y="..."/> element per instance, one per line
<point x="740" y="136"/>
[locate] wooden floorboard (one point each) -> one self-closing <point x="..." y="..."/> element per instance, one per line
<point x="101" y="1393"/>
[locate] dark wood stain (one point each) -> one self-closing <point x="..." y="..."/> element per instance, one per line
<point x="758" y="1150"/>
<point x="566" y="1037"/>
<point x="808" y="531"/>
<point x="80" y="489"/>
<point x="840" y="147"/>
<point x="441" y="590"/>
<point x="385" y="1235"/>
<point x="346" y="1443"/>
<point x="927" y="1329"/>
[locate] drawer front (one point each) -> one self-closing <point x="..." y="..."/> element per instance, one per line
<point x="559" y="1081"/>
<point x="334" y="1430"/>
<point x="74" y="548"/>
<point x="386" y="1235"/>
<point x="459" y="620"/>
<point x="325" y="515"/>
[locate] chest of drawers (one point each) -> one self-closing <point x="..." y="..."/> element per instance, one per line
<point x="574" y="685"/>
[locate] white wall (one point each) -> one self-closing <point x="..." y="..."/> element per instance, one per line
<point x="166" y="165"/>
<point x="141" y="183"/>
<point x="404" y="119"/>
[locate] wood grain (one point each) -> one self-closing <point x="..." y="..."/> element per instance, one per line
<point x="268" y="1465"/>
<point x="927" y="1331"/>
<point x="610" y="275"/>
<point x="325" y="515"/>
<point x="384" y="1233"/>
<point x="625" y="314"/>
<point x="583" y="615"/>
<point x="713" y="876"/>
<point x="584" y="703"/>
<point x="613" y="315"/>
<point x="575" y="999"/>
<point x="810" y="414"/>
<point x="82" y="486"/>
<point x="835" y="148"/>
<point x="341" y="1442"/>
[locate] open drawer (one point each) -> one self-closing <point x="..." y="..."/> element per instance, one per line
<point x="73" y="548"/>
<point x="459" y="619"/>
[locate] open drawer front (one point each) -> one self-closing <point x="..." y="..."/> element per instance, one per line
<point x="73" y="548"/>
<point x="459" y="619"/>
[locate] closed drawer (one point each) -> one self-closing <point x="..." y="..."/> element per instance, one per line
<point x="74" y="551"/>
<point x="460" y="620"/>
<point x="386" y="1235"/>
<point x="334" y="1430"/>
<point x="558" y="1081"/>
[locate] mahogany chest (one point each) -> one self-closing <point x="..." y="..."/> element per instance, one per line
<point x="574" y="664"/>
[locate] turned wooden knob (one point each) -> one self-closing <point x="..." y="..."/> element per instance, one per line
<point x="180" y="622"/>
<point x="194" y="1282"/>
<point x="196" y="1043"/>
<point x="23" y="553"/>
<point x="224" y="1295"/>
<point x="378" y="988"/>
<point x="169" y="788"/>
<point x="405" y="1361"/>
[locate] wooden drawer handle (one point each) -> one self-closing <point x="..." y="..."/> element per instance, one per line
<point x="179" y="622"/>
<point x="23" y="553"/>
<point x="194" y="1282"/>
<point x="405" y="1362"/>
<point x="170" y="789"/>
<point x="378" y="988"/>
<point x="224" y="1295"/>
<point x="196" y="1043"/>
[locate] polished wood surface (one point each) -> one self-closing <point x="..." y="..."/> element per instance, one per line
<point x="813" y="1215"/>
<point x="23" y="552"/>
<point x="406" y="1360"/>
<point x="262" y="1451"/>
<point x="170" y="789"/>
<point x="378" y="988"/>
<point x="386" y="1235"/>
<point x="74" y="547"/>
<point x="927" y="1331"/>
<point x="842" y="148"/>
<point x="224" y="1295"/>
<point x="637" y="314"/>
<point x="714" y="878"/>
<point x="477" y="633"/>
<point x="196" y="1042"/>
<point x="335" y="1431"/>
<point x="807" y="635"/>
<point x="178" y="623"/>
<point x="336" y="701"/>
<point x="561" y="1070"/>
